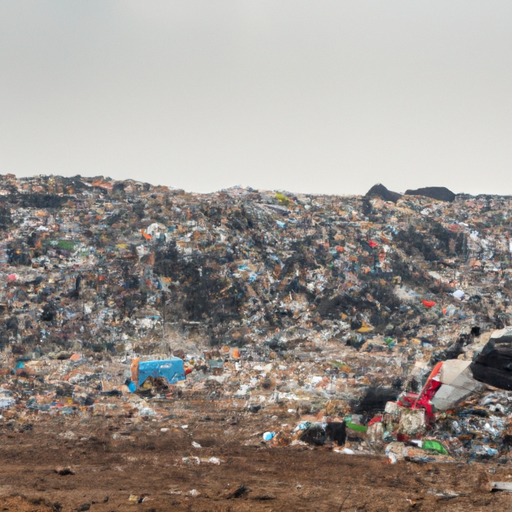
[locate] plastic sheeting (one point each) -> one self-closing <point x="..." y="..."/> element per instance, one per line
<point x="171" y="370"/>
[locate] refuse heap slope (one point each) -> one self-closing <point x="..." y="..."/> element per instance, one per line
<point x="105" y="265"/>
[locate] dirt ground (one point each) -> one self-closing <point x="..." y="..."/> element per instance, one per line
<point x="125" y="463"/>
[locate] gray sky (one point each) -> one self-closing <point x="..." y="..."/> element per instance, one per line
<point x="308" y="96"/>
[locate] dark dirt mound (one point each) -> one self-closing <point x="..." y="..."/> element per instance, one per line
<point x="381" y="191"/>
<point x="439" y="193"/>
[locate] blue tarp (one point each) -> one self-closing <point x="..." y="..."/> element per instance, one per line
<point x="171" y="370"/>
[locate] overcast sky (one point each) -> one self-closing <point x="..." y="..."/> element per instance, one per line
<point x="308" y="96"/>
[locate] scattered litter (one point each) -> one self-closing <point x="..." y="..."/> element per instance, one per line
<point x="378" y="322"/>
<point x="64" y="471"/>
<point x="501" y="486"/>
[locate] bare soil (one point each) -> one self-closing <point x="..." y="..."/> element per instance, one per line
<point x="124" y="463"/>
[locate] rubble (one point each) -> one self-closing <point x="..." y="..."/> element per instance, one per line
<point x="303" y="303"/>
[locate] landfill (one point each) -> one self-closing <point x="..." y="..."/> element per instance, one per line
<point x="368" y="325"/>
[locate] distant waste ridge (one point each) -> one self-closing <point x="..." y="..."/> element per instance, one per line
<point x="438" y="193"/>
<point x="108" y="266"/>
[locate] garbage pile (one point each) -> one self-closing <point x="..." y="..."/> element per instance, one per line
<point x="270" y="299"/>
<point x="454" y="416"/>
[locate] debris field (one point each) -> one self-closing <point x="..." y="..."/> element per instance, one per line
<point x="342" y="353"/>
